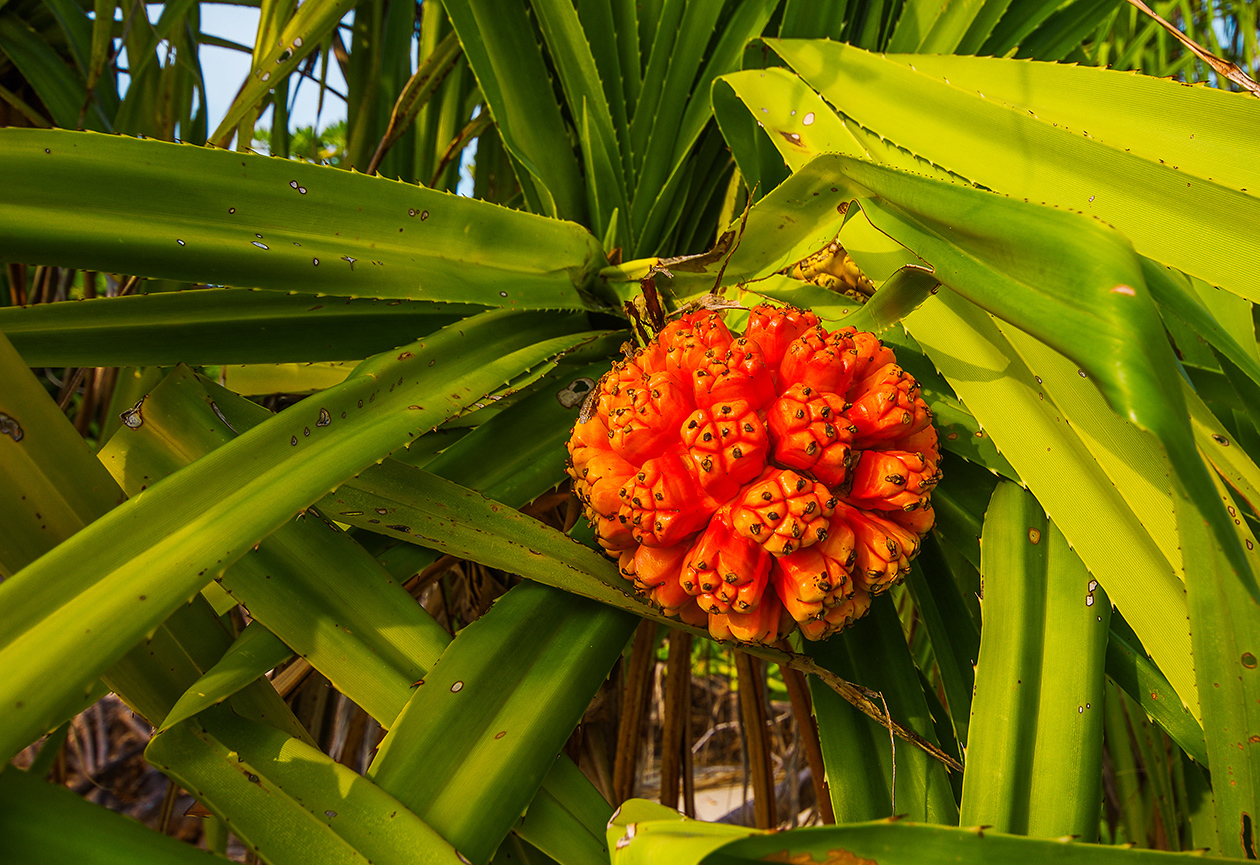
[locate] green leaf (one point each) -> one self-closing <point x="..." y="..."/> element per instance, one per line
<point x="930" y="27"/>
<point x="1034" y="754"/>
<point x="49" y="823"/>
<point x="599" y="27"/>
<point x="567" y="818"/>
<point x="158" y="670"/>
<point x="472" y="747"/>
<point x="423" y="508"/>
<point x="868" y="775"/>
<point x="59" y="481"/>
<point x="275" y="58"/>
<point x="251" y="655"/>
<point x="896" y="298"/>
<point x="760" y="166"/>
<point x="680" y="839"/>
<point x="821" y="19"/>
<point x="288" y="801"/>
<point x="905" y="843"/>
<point x="672" y="129"/>
<point x="1225" y="630"/>
<point x="982" y="26"/>
<point x="264" y="379"/>
<point x="539" y="427"/>
<point x="59" y="87"/>
<point x="253" y="221"/>
<point x="419" y="89"/>
<point x="1064" y="31"/>
<point x="577" y="70"/>
<point x="1140" y="154"/>
<point x="955" y="640"/>
<point x="1222" y="451"/>
<point x="219" y="326"/>
<point x="1020" y="20"/>
<point x="1178" y="299"/>
<point x="122" y="576"/>
<point x="45" y="496"/>
<point x="1131" y="669"/>
<point x="986" y="372"/>
<point x="509" y="65"/>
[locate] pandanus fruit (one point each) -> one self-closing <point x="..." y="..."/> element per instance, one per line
<point x="759" y="482"/>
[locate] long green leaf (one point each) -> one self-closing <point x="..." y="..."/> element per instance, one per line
<point x="1004" y="710"/>
<point x="1130" y="668"/>
<point x="579" y="77"/>
<point x="121" y="577"/>
<point x="419" y="507"/>
<point x="44" y="823"/>
<point x="1062" y="135"/>
<point x="57" y="480"/>
<point x="1225" y="633"/>
<point x="509" y="66"/>
<point x="288" y="801"/>
<point x="218" y="326"/>
<point x="1179" y="300"/>
<point x="1034" y="755"/>
<point x="44" y="496"/>
<point x="868" y="775"/>
<point x="928" y="27"/>
<point x="746" y="22"/>
<point x="473" y="746"/>
<point x="253" y="653"/>
<point x="567" y="818"/>
<point x="888" y="842"/>
<point x="59" y="87"/>
<point x="419" y="89"/>
<point x="252" y="221"/>
<point x="275" y="58"/>
<point x="984" y="369"/>
<point x="955" y="641"/>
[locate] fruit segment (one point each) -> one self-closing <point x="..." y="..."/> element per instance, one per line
<point x="767" y="624"/>
<point x="838" y="617"/>
<point x="783" y="511"/>
<point x="886" y="407"/>
<point x="810" y="433"/>
<point x="759" y="482"/>
<point x="893" y="480"/>
<point x="662" y="503"/>
<point x="738" y="374"/>
<point x="775" y="328"/>
<point x="883" y="549"/>
<point x="649" y="409"/>
<point x="655" y="572"/>
<point x="725" y="571"/>
<point x="823" y="361"/>
<point x="728" y="443"/>
<point x="685" y="342"/>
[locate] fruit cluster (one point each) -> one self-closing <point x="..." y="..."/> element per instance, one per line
<point x="753" y="483"/>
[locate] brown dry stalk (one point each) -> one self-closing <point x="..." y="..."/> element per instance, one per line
<point x="1223" y="68"/>
<point x="638" y="679"/>
<point x="864" y="700"/>
<point x="803" y="711"/>
<point x="676" y="726"/>
<point x="752" y="710"/>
